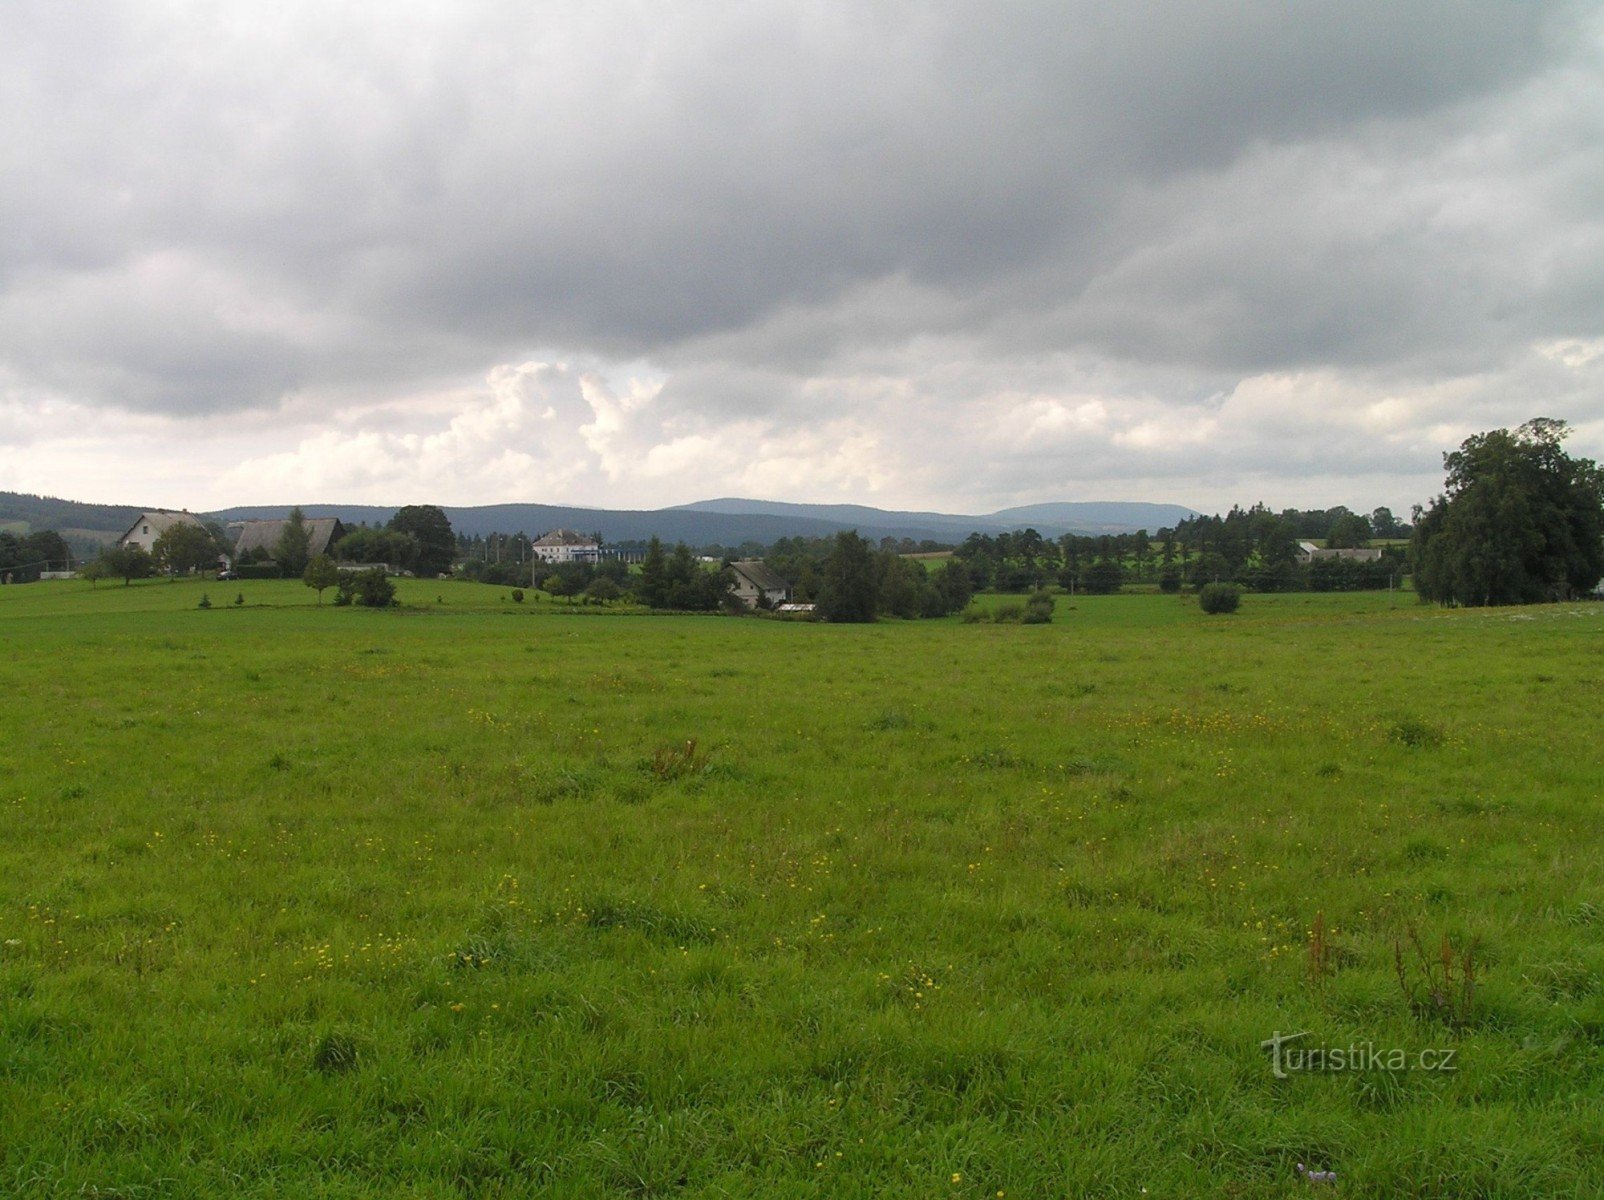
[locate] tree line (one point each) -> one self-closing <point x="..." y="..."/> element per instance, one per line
<point x="23" y="559"/>
<point x="848" y="579"/>
<point x="1253" y="546"/>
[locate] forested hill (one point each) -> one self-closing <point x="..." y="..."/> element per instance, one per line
<point x="617" y="525"/>
<point x="1050" y="520"/>
<point x="730" y="522"/>
<point x="725" y="522"/>
<point x="67" y="517"/>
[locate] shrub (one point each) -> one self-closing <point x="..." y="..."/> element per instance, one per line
<point x="1415" y="734"/>
<point x="239" y="600"/>
<point x="205" y="601"/>
<point x="1039" y="608"/>
<point x="1008" y="614"/>
<point x="891" y="719"/>
<point x="974" y="616"/>
<point x="517" y="595"/>
<point x="371" y="588"/>
<point x="1219" y="597"/>
<point x="1102" y="578"/>
<point x="1170" y="582"/>
<point x="264" y="570"/>
<point x="677" y="761"/>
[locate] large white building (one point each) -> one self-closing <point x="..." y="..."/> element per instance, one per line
<point x="565" y="546"/>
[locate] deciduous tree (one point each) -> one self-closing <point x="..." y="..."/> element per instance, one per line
<point x="320" y="575"/>
<point x="437" y="547"/>
<point x="1519" y="521"/>
<point x="184" y="547"/>
<point x="398" y="550"/>
<point x="127" y="563"/>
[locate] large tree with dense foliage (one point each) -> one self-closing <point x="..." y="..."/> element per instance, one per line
<point x="437" y="545"/>
<point x="184" y="547"/>
<point x="127" y="563"/>
<point x="361" y="545"/>
<point x="1350" y="531"/>
<point x="848" y="589"/>
<point x="1519" y="521"/>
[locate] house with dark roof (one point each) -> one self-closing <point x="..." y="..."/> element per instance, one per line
<point x="756" y="583"/>
<point x="150" y="526"/>
<point x="321" y="535"/>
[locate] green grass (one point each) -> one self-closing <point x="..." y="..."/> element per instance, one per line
<point x="75" y="598"/>
<point x="435" y="901"/>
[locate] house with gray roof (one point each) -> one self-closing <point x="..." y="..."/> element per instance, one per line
<point x="756" y="583"/>
<point x="321" y="535"/>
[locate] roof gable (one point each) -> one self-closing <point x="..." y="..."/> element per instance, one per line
<point x="162" y="520"/>
<point x="321" y="533"/>
<point x="760" y="575"/>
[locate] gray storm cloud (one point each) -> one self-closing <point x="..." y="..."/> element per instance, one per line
<point x="807" y="212"/>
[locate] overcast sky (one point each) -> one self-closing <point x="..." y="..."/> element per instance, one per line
<point x="939" y="255"/>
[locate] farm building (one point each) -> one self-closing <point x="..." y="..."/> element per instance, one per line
<point x="755" y="583"/>
<point x="151" y="525"/>
<point x="565" y="546"/>
<point x="1308" y="552"/>
<point x="321" y="534"/>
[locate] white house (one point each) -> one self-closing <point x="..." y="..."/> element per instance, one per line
<point x="754" y="581"/>
<point x="150" y="526"/>
<point x="566" y="546"/>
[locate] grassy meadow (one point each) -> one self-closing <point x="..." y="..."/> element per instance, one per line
<point x="473" y="898"/>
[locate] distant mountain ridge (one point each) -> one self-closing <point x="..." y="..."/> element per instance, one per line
<point x="1083" y="516"/>
<point x="727" y="521"/>
<point x="731" y="521"/>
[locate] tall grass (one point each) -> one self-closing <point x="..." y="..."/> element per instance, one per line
<point x="471" y="899"/>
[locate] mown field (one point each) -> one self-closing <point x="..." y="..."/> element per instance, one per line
<point x="440" y="901"/>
